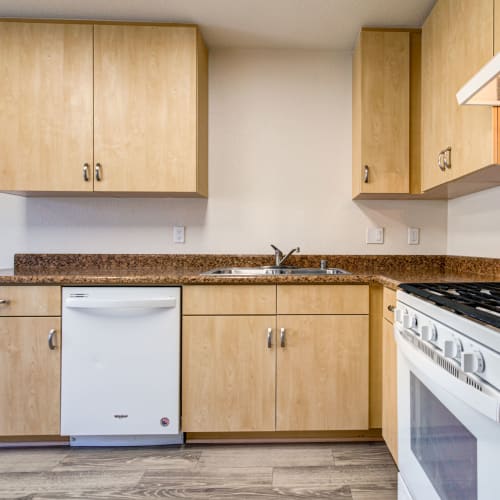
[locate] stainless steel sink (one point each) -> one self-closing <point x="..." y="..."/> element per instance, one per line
<point x="274" y="271"/>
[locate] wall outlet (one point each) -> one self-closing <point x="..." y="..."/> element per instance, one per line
<point x="375" y="235"/>
<point x="179" y="234"/>
<point x="413" y="236"/>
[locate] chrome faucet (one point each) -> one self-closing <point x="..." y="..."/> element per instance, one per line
<point x="280" y="258"/>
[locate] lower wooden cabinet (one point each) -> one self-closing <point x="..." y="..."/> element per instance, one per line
<point x="322" y="373"/>
<point x="390" y="389"/>
<point x="30" y="376"/>
<point x="228" y="373"/>
<point x="304" y="368"/>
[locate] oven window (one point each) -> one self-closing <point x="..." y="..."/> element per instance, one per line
<point x="445" y="449"/>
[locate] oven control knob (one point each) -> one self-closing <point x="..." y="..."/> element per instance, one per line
<point x="452" y="349"/>
<point x="429" y="333"/>
<point x="472" y="362"/>
<point x="409" y="321"/>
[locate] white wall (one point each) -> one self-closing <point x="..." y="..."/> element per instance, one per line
<point x="280" y="171"/>
<point x="474" y="224"/>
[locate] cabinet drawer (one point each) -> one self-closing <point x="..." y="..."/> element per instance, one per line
<point x="30" y="300"/>
<point x="322" y="299"/>
<point x="229" y="299"/>
<point x="389" y="301"/>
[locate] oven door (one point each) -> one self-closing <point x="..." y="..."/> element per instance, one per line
<point x="448" y="435"/>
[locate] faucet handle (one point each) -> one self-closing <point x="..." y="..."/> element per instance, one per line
<point x="276" y="249"/>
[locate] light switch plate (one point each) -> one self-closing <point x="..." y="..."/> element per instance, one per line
<point x="375" y="235"/>
<point x="179" y="234"/>
<point x="413" y="236"/>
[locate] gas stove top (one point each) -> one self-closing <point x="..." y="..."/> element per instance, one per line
<point x="477" y="301"/>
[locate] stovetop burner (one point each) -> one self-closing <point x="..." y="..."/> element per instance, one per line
<point x="479" y="301"/>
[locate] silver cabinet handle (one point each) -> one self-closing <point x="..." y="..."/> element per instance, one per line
<point x="391" y="308"/>
<point x="98" y="174"/>
<point x="440" y="161"/>
<point x="447" y="157"/>
<point x="4" y="302"/>
<point x="269" y="338"/>
<point x="282" y="337"/>
<point x="86" y="177"/>
<point x="52" y="335"/>
<point x="367" y="174"/>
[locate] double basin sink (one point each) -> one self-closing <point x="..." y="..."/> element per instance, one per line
<point x="275" y="271"/>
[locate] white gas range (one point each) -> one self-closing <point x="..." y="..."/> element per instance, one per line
<point x="448" y="337"/>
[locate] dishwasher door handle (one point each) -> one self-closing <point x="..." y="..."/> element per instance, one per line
<point x="151" y="303"/>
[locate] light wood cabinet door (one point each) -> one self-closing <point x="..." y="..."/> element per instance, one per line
<point x="456" y="41"/>
<point x="228" y="373"/>
<point x="390" y="389"/>
<point x="497" y="26"/>
<point x="381" y="113"/>
<point x="46" y="108"/>
<point x="469" y="48"/>
<point x="29" y="376"/>
<point x="322" y="373"/>
<point x="146" y="107"/>
<point x="437" y="95"/>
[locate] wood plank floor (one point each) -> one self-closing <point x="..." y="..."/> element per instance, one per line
<point x="357" y="471"/>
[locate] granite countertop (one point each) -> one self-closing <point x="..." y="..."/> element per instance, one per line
<point x="168" y="269"/>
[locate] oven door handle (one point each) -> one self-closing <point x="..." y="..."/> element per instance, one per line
<point x="486" y="404"/>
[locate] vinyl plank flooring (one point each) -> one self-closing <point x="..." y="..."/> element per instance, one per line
<point x="338" y="471"/>
<point x="361" y="454"/>
<point x="31" y="459"/>
<point x="267" y="455"/>
<point x="19" y="484"/>
<point x="209" y="477"/>
<point x="360" y="476"/>
<point x="171" y="458"/>
<point x="389" y="493"/>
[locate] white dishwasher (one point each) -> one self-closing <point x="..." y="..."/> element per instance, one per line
<point x="120" y="382"/>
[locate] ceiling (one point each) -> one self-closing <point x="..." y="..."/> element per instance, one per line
<point x="307" y="24"/>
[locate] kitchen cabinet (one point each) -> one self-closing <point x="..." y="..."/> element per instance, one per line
<point x="30" y="360"/>
<point x="497" y="26"/>
<point x="229" y="372"/>
<point x="266" y="357"/>
<point x="457" y="40"/>
<point x="46" y="129"/>
<point x="104" y="108"/>
<point x="386" y="113"/>
<point x="389" y="376"/>
<point x="322" y="372"/>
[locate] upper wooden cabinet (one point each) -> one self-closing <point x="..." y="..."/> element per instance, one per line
<point x="386" y="113"/>
<point x="497" y="26"/>
<point x="457" y="40"/>
<point x="46" y="105"/>
<point x="102" y="107"/>
<point x="147" y="108"/>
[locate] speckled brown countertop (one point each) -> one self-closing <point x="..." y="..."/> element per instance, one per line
<point x="169" y="269"/>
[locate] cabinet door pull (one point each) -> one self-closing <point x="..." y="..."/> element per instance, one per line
<point x="52" y="344"/>
<point x="391" y="308"/>
<point x="440" y="161"/>
<point x="98" y="173"/>
<point x="4" y="302"/>
<point x="282" y="337"/>
<point x="447" y="157"/>
<point x="269" y="338"/>
<point x="367" y="174"/>
<point x="86" y="177"/>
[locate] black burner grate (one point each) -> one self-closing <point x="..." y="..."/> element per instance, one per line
<point x="480" y="301"/>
